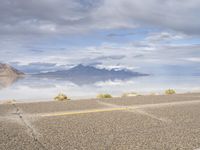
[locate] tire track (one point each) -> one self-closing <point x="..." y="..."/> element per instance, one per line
<point x="29" y="128"/>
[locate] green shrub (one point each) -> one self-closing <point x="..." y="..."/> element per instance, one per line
<point x="61" y="97"/>
<point x="104" y="96"/>
<point x="170" y="92"/>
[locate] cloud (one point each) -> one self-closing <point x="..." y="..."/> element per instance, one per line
<point x="164" y="37"/>
<point x="42" y="35"/>
<point x="38" y="67"/>
<point x="156" y="49"/>
<point x="110" y="57"/>
<point x="47" y="17"/>
<point x="169" y="14"/>
<point x="193" y="59"/>
<point x="119" y="35"/>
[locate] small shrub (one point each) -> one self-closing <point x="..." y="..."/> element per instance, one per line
<point x="61" y="97"/>
<point x="9" y="102"/>
<point x="170" y="92"/>
<point x="153" y="94"/>
<point x="131" y="94"/>
<point x="104" y="96"/>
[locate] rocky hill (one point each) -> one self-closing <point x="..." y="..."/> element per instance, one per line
<point x="9" y="71"/>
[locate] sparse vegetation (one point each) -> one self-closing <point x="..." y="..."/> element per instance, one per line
<point x="130" y="94"/>
<point x="170" y="92"/>
<point x="104" y="96"/>
<point x="153" y="94"/>
<point x="9" y="101"/>
<point x="61" y="97"/>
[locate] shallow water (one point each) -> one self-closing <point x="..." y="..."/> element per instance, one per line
<point x="37" y="89"/>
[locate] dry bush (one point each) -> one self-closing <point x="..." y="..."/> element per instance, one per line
<point x="61" y="97"/>
<point x="130" y="94"/>
<point x="170" y="92"/>
<point x="104" y="96"/>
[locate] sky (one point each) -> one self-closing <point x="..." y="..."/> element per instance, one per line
<point x="160" y="36"/>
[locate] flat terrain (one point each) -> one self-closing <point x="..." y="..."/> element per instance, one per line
<point x="135" y="123"/>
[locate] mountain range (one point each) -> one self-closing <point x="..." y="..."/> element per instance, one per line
<point x="81" y="74"/>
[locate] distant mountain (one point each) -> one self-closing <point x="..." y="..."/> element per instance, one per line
<point x="8" y="71"/>
<point x="88" y="74"/>
<point x="8" y="75"/>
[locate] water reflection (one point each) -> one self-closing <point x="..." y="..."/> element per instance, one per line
<point x="7" y="81"/>
<point x="45" y="88"/>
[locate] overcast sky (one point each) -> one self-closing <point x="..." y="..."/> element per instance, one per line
<point x="45" y="35"/>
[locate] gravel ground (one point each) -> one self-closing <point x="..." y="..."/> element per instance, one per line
<point x="153" y="123"/>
